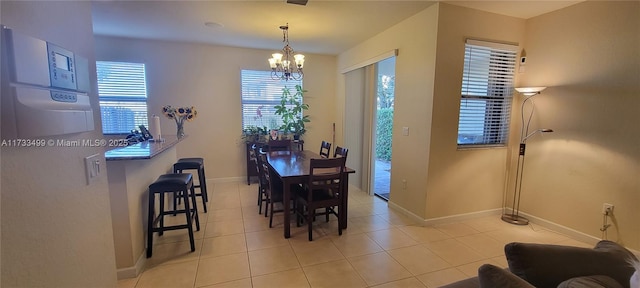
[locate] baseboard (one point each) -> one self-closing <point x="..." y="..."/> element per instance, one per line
<point x="461" y="217"/>
<point x="571" y="233"/>
<point x="227" y="179"/>
<point x="404" y="211"/>
<point x="134" y="271"/>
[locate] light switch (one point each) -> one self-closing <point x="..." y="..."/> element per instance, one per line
<point x="92" y="167"/>
<point x="405" y="131"/>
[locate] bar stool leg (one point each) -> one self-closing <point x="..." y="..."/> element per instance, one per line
<point x="203" y="186"/>
<point x="195" y="209"/>
<point x="150" y="224"/>
<point x="189" y="223"/>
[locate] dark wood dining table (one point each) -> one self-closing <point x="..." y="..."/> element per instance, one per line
<point x="292" y="167"/>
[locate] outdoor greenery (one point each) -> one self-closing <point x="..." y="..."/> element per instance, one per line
<point x="384" y="128"/>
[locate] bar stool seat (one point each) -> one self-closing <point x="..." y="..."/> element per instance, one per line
<point x="178" y="184"/>
<point x="194" y="164"/>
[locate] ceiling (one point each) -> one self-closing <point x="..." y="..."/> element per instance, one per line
<point x="322" y="26"/>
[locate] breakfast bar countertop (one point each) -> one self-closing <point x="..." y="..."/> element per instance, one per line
<point x="142" y="150"/>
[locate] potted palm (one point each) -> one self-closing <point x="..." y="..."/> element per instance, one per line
<point x="291" y="110"/>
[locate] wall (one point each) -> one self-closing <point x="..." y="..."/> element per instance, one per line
<point x="56" y="229"/>
<point x="589" y="57"/>
<point x="475" y="178"/>
<point x="208" y="77"/>
<point x="415" y="38"/>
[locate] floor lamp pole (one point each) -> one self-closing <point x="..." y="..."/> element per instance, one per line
<point x="514" y="217"/>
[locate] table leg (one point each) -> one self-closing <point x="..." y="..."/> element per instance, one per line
<point x="286" y="195"/>
<point x="345" y="200"/>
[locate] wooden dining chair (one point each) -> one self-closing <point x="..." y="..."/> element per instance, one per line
<point x="340" y="152"/>
<point x="279" y="145"/>
<point x="274" y="190"/>
<point x="325" y="149"/>
<point x="322" y="190"/>
<point x="257" y="156"/>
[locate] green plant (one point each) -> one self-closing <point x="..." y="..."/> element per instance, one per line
<point x="254" y="133"/>
<point x="291" y="110"/>
<point x="384" y="129"/>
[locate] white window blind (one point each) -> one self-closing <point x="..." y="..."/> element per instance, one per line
<point x="123" y="96"/>
<point x="487" y="88"/>
<point x="260" y="94"/>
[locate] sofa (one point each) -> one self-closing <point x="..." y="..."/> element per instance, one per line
<point x="545" y="266"/>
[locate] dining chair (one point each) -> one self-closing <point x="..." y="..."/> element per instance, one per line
<point x="279" y="145"/>
<point x="274" y="190"/>
<point x="342" y="152"/>
<point x="323" y="189"/>
<point x="325" y="149"/>
<point x="262" y="194"/>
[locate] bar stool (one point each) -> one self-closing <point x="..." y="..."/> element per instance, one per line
<point x="193" y="164"/>
<point x="178" y="184"/>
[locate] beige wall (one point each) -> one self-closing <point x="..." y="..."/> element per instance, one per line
<point x="56" y="229"/>
<point x="208" y="77"/>
<point x="475" y="178"/>
<point x="587" y="54"/>
<point x="415" y="38"/>
<point x="589" y="57"/>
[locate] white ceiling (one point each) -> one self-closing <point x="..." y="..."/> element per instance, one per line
<point x="322" y="26"/>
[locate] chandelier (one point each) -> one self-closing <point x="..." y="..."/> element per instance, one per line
<point x="281" y="64"/>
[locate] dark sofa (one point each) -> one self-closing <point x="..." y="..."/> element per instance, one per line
<point x="550" y="266"/>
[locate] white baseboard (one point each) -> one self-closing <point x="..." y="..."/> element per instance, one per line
<point x="227" y="179"/>
<point x="571" y="233"/>
<point x="134" y="271"/>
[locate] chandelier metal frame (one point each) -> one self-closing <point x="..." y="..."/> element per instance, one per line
<point x="281" y="63"/>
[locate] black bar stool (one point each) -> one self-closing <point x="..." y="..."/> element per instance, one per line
<point x="178" y="184"/>
<point x="193" y="164"/>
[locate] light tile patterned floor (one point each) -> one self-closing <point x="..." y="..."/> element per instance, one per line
<point x="381" y="248"/>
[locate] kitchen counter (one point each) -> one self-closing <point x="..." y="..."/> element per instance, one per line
<point x="142" y="150"/>
<point x="130" y="171"/>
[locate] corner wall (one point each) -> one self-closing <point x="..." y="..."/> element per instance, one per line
<point x="588" y="55"/>
<point x="56" y="229"/>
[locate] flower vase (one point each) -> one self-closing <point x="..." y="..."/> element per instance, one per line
<point x="180" y="130"/>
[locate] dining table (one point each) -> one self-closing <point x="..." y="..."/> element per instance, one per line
<point x="292" y="167"/>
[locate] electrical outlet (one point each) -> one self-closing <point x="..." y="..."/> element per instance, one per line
<point x="607" y="209"/>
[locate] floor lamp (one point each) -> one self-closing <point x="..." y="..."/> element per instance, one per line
<point x="514" y="217"/>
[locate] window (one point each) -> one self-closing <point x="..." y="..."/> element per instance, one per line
<point x="123" y="96"/>
<point x="260" y="94"/>
<point x="487" y="87"/>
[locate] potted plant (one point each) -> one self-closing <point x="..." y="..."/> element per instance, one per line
<point x="254" y="134"/>
<point x="290" y="109"/>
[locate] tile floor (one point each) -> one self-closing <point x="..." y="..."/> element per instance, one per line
<point x="381" y="248"/>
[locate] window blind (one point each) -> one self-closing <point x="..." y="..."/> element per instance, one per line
<point x="260" y="94"/>
<point x="122" y="90"/>
<point x="487" y="88"/>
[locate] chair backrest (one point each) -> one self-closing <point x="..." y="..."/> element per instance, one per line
<point x="340" y="152"/>
<point x="325" y="149"/>
<point x="260" y="159"/>
<point x="279" y="145"/>
<point x="253" y="157"/>
<point x="326" y="174"/>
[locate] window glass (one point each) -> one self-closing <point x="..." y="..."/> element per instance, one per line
<point x="260" y="94"/>
<point x="487" y="88"/>
<point x="123" y="96"/>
